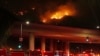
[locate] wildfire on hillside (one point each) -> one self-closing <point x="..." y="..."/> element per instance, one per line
<point x="59" y="13"/>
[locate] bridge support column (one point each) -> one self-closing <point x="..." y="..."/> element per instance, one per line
<point x="43" y="46"/>
<point x="31" y="42"/>
<point x="67" y="49"/>
<point x="51" y="45"/>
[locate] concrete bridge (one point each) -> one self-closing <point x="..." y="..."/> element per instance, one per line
<point x="67" y="34"/>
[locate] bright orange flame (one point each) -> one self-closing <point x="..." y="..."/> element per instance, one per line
<point x="59" y="15"/>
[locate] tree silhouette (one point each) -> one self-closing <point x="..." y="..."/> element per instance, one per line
<point x="6" y="21"/>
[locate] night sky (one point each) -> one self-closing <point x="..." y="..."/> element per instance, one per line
<point x="86" y="12"/>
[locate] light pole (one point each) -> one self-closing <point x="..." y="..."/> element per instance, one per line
<point x="21" y="34"/>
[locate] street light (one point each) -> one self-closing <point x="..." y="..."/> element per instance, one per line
<point x="27" y="22"/>
<point x="21" y="33"/>
<point x="98" y="27"/>
<point x="87" y="39"/>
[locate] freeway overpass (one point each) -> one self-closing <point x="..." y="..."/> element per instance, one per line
<point x="57" y="32"/>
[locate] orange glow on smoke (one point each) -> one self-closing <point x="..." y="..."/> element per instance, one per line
<point x="44" y="20"/>
<point x="59" y="13"/>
